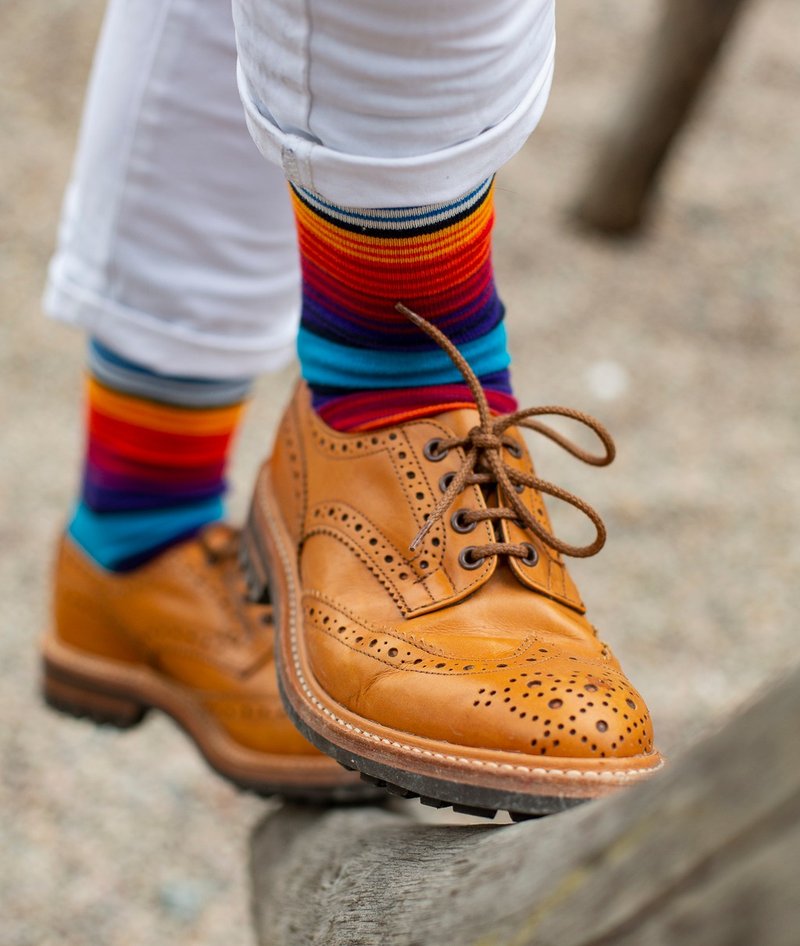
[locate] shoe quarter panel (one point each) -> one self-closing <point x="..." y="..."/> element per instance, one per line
<point x="373" y="494"/>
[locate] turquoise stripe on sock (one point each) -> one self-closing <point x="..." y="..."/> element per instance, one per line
<point x="112" y="538"/>
<point x="327" y="363"/>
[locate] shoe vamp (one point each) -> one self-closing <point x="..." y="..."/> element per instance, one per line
<point x="505" y="668"/>
<point x="503" y="618"/>
<point x="538" y="698"/>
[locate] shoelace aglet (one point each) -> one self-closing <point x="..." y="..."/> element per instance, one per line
<point x="408" y="313"/>
<point x="420" y="536"/>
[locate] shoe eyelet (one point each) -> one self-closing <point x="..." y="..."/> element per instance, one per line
<point x="532" y="557"/>
<point x="446" y="480"/>
<point x="514" y="449"/>
<point x="519" y="487"/>
<point x="466" y="559"/>
<point x="434" y="451"/>
<point x="458" y="523"/>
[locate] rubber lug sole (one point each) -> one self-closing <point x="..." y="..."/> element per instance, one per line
<point x="100" y="708"/>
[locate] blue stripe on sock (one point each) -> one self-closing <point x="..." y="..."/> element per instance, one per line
<point x="118" y="539"/>
<point x="328" y="363"/>
<point x="496" y="381"/>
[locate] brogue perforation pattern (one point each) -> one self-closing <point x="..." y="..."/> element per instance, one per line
<point x="562" y="706"/>
<point x="410" y="475"/>
<point x="421" y="498"/>
<point x="580" y="709"/>
<point x="385" y="561"/>
<point x="394" y="649"/>
<point x="345" y="446"/>
<point x="297" y="483"/>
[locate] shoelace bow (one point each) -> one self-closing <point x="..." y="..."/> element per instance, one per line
<point x="483" y="465"/>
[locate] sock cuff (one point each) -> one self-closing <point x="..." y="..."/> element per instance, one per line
<point x="395" y="222"/>
<point x="118" y="374"/>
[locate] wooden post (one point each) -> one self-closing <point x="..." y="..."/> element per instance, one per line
<point x="680" y="60"/>
<point x="706" y="854"/>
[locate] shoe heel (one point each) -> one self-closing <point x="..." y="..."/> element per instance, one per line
<point x="251" y="562"/>
<point x="75" y="699"/>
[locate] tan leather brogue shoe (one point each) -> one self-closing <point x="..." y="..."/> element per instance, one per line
<point x="429" y="634"/>
<point x="179" y="634"/>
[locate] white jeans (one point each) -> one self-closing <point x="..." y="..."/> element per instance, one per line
<point x="176" y="246"/>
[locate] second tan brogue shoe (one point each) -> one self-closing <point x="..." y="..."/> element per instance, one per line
<point x="179" y="634"/>
<point x="429" y="634"/>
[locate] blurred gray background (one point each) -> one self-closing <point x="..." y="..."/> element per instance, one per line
<point x="685" y="343"/>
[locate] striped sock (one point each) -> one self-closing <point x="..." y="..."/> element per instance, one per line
<point x="155" y="459"/>
<point x="352" y="344"/>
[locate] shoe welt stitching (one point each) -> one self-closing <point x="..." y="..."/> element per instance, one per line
<point x="476" y="763"/>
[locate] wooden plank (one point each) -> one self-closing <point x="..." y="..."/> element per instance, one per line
<point x="680" y="61"/>
<point x="706" y="854"/>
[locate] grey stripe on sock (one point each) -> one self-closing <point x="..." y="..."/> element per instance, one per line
<point x="177" y="391"/>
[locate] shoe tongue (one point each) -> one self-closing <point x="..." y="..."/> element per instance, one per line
<point x="460" y="421"/>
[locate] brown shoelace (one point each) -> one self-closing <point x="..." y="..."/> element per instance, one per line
<point x="483" y="465"/>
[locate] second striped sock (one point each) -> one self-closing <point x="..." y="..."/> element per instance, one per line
<point x="155" y="459"/>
